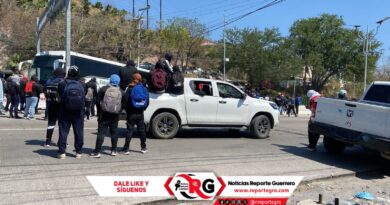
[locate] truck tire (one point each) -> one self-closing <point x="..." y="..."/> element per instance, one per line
<point x="260" y="127"/>
<point x="333" y="146"/>
<point x="164" y="126"/>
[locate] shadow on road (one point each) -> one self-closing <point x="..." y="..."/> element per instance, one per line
<point x="211" y="133"/>
<point x="354" y="159"/>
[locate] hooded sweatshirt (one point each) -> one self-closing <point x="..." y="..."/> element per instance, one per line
<point x="312" y="95"/>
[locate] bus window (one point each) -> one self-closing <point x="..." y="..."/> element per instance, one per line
<point x="42" y="67"/>
<point x="90" y="67"/>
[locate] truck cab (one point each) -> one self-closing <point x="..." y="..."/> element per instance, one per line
<point x="209" y="103"/>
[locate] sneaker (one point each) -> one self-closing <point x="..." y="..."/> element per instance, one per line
<point x="114" y="153"/>
<point x="313" y="149"/>
<point x="94" y="155"/>
<point x="125" y="152"/>
<point x="78" y="155"/>
<point x="46" y="144"/>
<point x="61" y="156"/>
<point x="144" y="150"/>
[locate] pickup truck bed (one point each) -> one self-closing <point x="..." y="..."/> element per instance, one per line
<point x="365" y="123"/>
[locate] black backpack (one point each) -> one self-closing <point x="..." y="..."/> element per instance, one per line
<point x="52" y="91"/>
<point x="73" y="97"/>
<point x="177" y="82"/>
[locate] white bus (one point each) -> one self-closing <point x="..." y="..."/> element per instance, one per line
<point x="45" y="62"/>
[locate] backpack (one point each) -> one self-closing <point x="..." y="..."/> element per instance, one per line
<point x="89" y="95"/>
<point x="158" y="79"/>
<point x="29" y="87"/>
<point x="52" y="91"/>
<point x="177" y="82"/>
<point x="73" y="97"/>
<point x="139" y="96"/>
<point x="112" y="101"/>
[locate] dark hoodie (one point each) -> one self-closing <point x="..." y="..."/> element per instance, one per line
<point x="126" y="74"/>
<point x="92" y="84"/>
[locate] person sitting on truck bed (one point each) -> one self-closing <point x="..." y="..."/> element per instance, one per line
<point x="313" y="138"/>
<point x="126" y="74"/>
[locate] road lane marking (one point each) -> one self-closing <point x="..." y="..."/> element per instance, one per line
<point x="38" y="129"/>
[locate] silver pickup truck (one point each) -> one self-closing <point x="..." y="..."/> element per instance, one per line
<point x="365" y="123"/>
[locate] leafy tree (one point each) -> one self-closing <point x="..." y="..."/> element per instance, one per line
<point x="99" y="5"/>
<point x="328" y="49"/>
<point x="260" y="56"/>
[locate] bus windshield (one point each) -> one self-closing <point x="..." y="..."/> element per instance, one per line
<point x="42" y="67"/>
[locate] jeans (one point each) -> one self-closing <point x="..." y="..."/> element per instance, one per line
<point x="13" y="111"/>
<point x="88" y="108"/>
<point x="132" y="120"/>
<point x="31" y="102"/>
<point x="104" y="124"/>
<point x="281" y="109"/>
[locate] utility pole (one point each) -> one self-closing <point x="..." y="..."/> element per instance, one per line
<point x="160" y="15"/>
<point x="354" y="85"/>
<point x="139" y="40"/>
<point x="133" y="10"/>
<point x="366" y="60"/>
<point x="147" y="15"/>
<point x="68" y="33"/>
<point x="224" y="49"/>
<point x="38" y="37"/>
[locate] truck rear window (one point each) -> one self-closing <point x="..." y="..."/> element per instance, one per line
<point x="378" y="93"/>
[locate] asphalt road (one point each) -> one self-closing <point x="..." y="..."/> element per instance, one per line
<point x="31" y="174"/>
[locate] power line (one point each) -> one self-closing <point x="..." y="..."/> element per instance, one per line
<point x="210" y="9"/>
<point x="232" y="20"/>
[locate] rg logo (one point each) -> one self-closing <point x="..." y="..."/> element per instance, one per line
<point x="194" y="186"/>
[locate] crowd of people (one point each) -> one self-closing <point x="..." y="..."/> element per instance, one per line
<point x="69" y="100"/>
<point x="22" y="96"/>
<point x="288" y="105"/>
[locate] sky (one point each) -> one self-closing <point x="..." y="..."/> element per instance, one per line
<point x="282" y="16"/>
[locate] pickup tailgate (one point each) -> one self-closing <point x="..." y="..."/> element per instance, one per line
<point x="359" y="117"/>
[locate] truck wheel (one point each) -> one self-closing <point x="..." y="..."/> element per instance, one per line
<point x="164" y="125"/>
<point x="333" y="146"/>
<point x="260" y="127"/>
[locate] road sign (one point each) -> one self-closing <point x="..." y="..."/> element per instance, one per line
<point x="53" y="9"/>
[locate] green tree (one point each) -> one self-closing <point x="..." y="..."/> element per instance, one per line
<point x="328" y="49"/>
<point x="260" y="55"/>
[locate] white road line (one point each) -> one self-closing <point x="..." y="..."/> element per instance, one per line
<point x="39" y="129"/>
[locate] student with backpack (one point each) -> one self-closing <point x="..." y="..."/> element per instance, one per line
<point x="33" y="90"/>
<point x="135" y="101"/>
<point x="176" y="84"/>
<point x="53" y="102"/>
<point x="126" y="74"/>
<point x="290" y="106"/>
<point x="72" y="104"/>
<point x="158" y="78"/>
<point x="90" y="97"/>
<point x="109" y="105"/>
<point x="14" y="92"/>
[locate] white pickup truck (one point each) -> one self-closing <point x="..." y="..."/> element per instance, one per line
<point x="365" y="123"/>
<point x="209" y="103"/>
